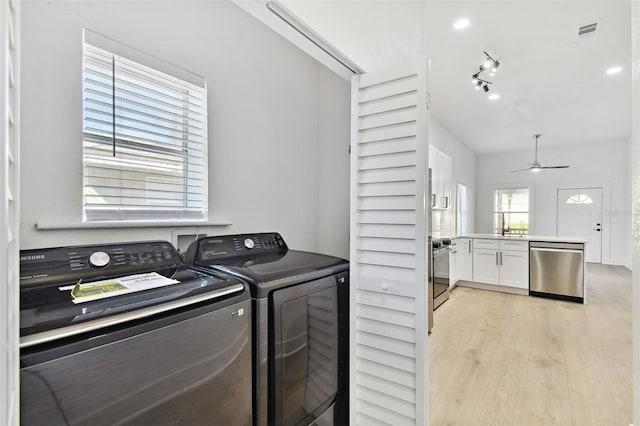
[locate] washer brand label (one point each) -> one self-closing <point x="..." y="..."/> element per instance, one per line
<point x="32" y="257"/>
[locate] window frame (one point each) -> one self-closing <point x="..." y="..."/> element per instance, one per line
<point x="525" y="185"/>
<point x="181" y="154"/>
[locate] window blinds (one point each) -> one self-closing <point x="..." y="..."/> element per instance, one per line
<point x="144" y="140"/>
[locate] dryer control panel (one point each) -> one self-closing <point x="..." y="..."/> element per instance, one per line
<point x="214" y="248"/>
<point x="60" y="264"/>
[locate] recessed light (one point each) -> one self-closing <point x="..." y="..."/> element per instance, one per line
<point x="494" y="97"/>
<point x="461" y="24"/>
<point x="614" y="70"/>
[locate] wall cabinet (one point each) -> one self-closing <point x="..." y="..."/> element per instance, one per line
<point x="501" y="262"/>
<point x="441" y="178"/>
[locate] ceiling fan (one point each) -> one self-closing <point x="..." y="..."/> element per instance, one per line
<point x="536" y="166"/>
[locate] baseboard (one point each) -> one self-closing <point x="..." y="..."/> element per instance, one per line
<point x="491" y="287"/>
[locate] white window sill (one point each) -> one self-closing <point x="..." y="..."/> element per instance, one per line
<point x="43" y="226"/>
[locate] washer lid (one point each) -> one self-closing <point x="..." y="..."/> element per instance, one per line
<point x="267" y="272"/>
<point x="43" y="306"/>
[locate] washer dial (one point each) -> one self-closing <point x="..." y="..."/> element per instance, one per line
<point x="249" y="243"/>
<point x="99" y="259"/>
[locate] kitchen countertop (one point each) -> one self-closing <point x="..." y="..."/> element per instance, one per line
<point x="545" y="238"/>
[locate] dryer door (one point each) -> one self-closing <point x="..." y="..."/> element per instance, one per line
<point x="305" y="351"/>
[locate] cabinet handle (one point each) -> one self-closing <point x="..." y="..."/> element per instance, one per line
<point x="445" y="202"/>
<point x="433" y="200"/>
<point x="497" y="259"/>
<point x="500" y="258"/>
<point x="470" y="245"/>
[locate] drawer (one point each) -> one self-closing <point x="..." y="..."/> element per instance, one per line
<point x="479" y="243"/>
<point x="514" y="245"/>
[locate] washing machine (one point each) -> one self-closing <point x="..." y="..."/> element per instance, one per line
<point x="300" y="325"/>
<point x="127" y="334"/>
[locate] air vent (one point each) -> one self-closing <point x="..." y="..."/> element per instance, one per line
<point x="587" y="30"/>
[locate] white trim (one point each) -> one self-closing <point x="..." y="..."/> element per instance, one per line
<point x="9" y="211"/>
<point x="635" y="201"/>
<point x="133" y="54"/>
<point x="605" y="257"/>
<point x="353" y="253"/>
<point x="532" y="202"/>
<point x="44" y="226"/>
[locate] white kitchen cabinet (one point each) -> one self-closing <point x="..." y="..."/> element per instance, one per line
<point x="501" y="262"/>
<point x="453" y="263"/>
<point x="485" y="266"/>
<point x="514" y="269"/>
<point x="441" y="178"/>
<point x="465" y="259"/>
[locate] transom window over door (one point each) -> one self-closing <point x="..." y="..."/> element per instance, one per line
<point x="144" y="136"/>
<point x="511" y="211"/>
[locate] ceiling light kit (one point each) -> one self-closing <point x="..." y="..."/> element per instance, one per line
<point x="461" y="24"/>
<point x="535" y="167"/>
<point x="614" y="70"/>
<point x="491" y="65"/>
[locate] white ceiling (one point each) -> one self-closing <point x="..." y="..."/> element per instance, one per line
<point x="550" y="81"/>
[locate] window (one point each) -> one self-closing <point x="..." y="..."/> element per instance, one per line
<point x="463" y="210"/>
<point x="511" y="209"/>
<point x="579" y="199"/>
<point x="144" y="136"/>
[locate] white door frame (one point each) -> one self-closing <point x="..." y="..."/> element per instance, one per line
<point x="575" y="190"/>
<point x="605" y="258"/>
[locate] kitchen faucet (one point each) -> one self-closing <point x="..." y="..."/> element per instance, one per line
<point x="503" y="229"/>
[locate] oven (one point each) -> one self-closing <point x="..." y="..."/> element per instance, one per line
<point x="440" y="271"/>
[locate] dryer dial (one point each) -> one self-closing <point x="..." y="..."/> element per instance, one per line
<point x="249" y="243"/>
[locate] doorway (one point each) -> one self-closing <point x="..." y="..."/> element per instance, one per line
<point x="579" y="215"/>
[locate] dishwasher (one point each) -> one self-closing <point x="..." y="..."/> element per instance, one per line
<point x="556" y="270"/>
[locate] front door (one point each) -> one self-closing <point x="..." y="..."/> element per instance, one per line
<point x="580" y="216"/>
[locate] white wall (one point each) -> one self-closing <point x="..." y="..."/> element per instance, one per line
<point x="268" y="103"/>
<point x="333" y="164"/>
<point x="591" y="165"/>
<point x="464" y="171"/>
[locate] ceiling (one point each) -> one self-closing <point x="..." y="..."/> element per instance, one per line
<point x="549" y="81"/>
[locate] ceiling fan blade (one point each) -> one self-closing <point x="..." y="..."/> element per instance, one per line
<point x="554" y="167"/>
<point x="521" y="170"/>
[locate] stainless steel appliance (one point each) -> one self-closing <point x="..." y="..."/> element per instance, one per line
<point x="176" y="354"/>
<point x="300" y="325"/>
<point x="440" y="258"/>
<point x="556" y="270"/>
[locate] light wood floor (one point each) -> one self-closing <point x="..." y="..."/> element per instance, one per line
<point x="501" y="359"/>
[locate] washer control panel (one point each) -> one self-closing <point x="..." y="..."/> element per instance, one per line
<point x="99" y="259"/>
<point x="212" y="248"/>
<point x="61" y="263"/>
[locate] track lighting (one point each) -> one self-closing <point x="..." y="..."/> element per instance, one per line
<point x="489" y="64"/>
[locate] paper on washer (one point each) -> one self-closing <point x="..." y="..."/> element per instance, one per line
<point x="97" y="290"/>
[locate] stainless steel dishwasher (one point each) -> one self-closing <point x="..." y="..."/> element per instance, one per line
<point x="556" y="270"/>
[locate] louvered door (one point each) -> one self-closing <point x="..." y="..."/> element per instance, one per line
<point x="9" y="217"/>
<point x="389" y="153"/>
